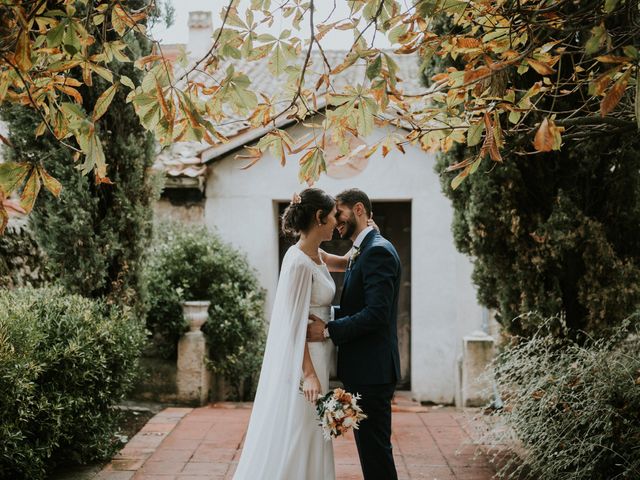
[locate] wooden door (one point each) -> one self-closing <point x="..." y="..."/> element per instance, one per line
<point x="394" y="220"/>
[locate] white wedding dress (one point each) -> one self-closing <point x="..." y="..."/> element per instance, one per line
<point x="284" y="440"/>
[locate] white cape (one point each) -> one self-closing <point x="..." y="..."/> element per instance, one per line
<point x="268" y="443"/>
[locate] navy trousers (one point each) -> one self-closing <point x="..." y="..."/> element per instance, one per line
<point x="373" y="437"/>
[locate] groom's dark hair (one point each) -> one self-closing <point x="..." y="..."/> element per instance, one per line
<point x="352" y="196"/>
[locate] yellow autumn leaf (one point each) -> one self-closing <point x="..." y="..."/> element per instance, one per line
<point x="23" y="51"/>
<point x="613" y="96"/>
<point x="30" y="191"/>
<point x="50" y="183"/>
<point x="540" y="67"/>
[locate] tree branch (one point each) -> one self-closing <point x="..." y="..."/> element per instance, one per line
<point x="618" y="122"/>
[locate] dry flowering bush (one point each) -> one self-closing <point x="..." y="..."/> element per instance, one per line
<point x="575" y="408"/>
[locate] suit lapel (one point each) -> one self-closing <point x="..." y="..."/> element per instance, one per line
<point x="365" y="243"/>
<point x="368" y="239"/>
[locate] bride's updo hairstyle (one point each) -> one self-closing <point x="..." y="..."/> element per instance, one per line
<point x="300" y="215"/>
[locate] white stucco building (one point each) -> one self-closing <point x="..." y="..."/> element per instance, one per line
<point x="438" y="304"/>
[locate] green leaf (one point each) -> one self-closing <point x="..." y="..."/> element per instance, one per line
<point x="426" y="8"/>
<point x="366" y="112"/>
<point x="103" y="102"/>
<point x="598" y="37"/>
<point x="231" y="51"/>
<point x="475" y="165"/>
<point x="374" y="68"/>
<point x="474" y="134"/>
<point x="312" y="164"/>
<point x="72" y="109"/>
<point x="610" y="5"/>
<point x="56" y="35"/>
<point x="631" y="51"/>
<point x="454" y="6"/>
<point x="127" y="81"/>
<point x="266" y="38"/>
<point x="396" y="32"/>
<point x="103" y="72"/>
<point x="94" y="155"/>
<point x="73" y="114"/>
<point x="12" y="175"/>
<point x="274" y="144"/>
<point x="117" y="21"/>
<point x="278" y="60"/>
<point x="455" y="183"/>
<point x="71" y="41"/>
<point x="114" y="50"/>
<point x="392" y="68"/>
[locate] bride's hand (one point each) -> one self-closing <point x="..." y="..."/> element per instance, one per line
<point x="311" y="388"/>
<point x="371" y="223"/>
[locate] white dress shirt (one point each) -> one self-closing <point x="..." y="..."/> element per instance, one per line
<point x="358" y="241"/>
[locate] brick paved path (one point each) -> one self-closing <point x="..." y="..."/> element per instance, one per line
<point x="205" y="444"/>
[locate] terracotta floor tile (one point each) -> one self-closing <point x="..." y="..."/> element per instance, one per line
<point x="171" y="455"/>
<point x="205" y="468"/>
<point x="205" y="444"/>
<point x="162" y="467"/>
<point x="113" y="475"/>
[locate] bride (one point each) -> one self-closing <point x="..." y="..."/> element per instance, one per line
<point x="284" y="440"/>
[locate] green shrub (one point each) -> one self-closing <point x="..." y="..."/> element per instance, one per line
<point x="21" y="260"/>
<point x="190" y="263"/>
<point x="64" y="361"/>
<point x="575" y="408"/>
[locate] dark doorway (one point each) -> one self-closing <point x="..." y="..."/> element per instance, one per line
<point x="394" y="220"/>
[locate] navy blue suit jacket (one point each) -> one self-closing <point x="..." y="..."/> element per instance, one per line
<point x="365" y="325"/>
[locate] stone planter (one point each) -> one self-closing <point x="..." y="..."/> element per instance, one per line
<point x="193" y="378"/>
<point x="196" y="312"/>
<point x="477" y="355"/>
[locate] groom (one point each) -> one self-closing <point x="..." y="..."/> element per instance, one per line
<point x="365" y="331"/>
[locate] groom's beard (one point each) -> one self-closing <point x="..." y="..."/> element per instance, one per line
<point x="350" y="227"/>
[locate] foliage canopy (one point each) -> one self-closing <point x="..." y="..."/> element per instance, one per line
<point x="42" y="43"/>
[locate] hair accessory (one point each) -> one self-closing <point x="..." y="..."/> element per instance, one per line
<point x="297" y="199"/>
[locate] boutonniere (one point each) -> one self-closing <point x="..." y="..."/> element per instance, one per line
<point x="354" y="256"/>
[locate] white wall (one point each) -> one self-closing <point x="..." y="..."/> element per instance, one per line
<point x="241" y="206"/>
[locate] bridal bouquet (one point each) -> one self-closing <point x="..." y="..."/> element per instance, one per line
<point x="338" y="412"/>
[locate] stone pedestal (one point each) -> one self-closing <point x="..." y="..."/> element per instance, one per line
<point x="477" y="355"/>
<point x="193" y="378"/>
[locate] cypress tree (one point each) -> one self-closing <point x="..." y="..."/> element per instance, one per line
<point x="553" y="234"/>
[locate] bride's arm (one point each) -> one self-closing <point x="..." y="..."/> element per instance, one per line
<point x="335" y="263"/>
<point x="311" y="385"/>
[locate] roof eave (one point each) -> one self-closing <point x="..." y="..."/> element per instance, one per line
<point x="241" y="140"/>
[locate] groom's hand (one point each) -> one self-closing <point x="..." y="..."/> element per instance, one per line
<point x="315" y="330"/>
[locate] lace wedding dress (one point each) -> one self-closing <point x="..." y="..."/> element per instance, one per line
<point x="284" y="440"/>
